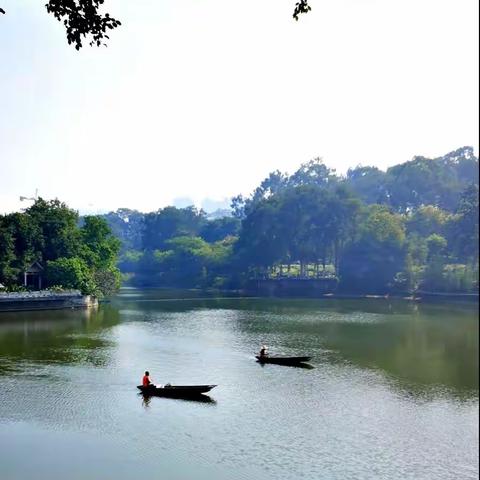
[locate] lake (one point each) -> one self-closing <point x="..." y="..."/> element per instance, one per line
<point x="393" y="392"/>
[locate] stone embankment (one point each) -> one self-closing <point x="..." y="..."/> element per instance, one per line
<point x="45" y="300"/>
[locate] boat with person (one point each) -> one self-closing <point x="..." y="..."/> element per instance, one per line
<point x="175" y="391"/>
<point x="282" y="360"/>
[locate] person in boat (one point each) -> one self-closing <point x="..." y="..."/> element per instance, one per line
<point x="146" y="382"/>
<point x="264" y="351"/>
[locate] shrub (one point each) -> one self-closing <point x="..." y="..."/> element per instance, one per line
<point x="71" y="273"/>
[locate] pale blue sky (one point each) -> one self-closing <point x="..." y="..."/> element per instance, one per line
<point x="204" y="98"/>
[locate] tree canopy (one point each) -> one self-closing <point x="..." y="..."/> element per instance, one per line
<point x="73" y="256"/>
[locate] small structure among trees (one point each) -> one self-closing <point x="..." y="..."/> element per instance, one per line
<point x="32" y="276"/>
<point x="46" y="246"/>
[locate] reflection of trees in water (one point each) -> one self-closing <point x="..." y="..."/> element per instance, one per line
<point x="58" y="336"/>
<point x="419" y="350"/>
<point x="419" y="345"/>
<point x="281" y="306"/>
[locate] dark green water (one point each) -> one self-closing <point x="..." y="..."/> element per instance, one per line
<point x="393" y="392"/>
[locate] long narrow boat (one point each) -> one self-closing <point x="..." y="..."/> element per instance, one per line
<point x="281" y="360"/>
<point x="176" y="391"/>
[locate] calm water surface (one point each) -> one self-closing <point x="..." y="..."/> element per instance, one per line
<point x="393" y="392"/>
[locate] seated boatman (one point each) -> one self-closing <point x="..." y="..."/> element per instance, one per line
<point x="263" y="351"/>
<point x="146" y="382"/>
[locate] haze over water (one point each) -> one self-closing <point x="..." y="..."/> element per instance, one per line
<point x="393" y="392"/>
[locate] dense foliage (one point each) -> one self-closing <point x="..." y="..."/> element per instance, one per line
<point x="72" y="256"/>
<point x="412" y="227"/>
<point x="175" y="246"/>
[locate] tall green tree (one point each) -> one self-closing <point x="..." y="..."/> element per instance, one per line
<point x="438" y="182"/>
<point x="8" y="272"/>
<point x="371" y="263"/>
<point x="170" y="222"/>
<point x="220" y="228"/>
<point x="99" y="246"/>
<point x="127" y="225"/>
<point x="464" y="227"/>
<point x="368" y="183"/>
<point x="59" y="235"/>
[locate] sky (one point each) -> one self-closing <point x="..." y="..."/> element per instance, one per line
<point x="201" y="99"/>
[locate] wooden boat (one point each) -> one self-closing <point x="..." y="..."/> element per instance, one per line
<point x="281" y="360"/>
<point x="176" y="391"/>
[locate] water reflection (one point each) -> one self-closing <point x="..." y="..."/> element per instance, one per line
<point x="305" y="366"/>
<point x="427" y="345"/>
<point x="55" y="336"/>
<point x="146" y="399"/>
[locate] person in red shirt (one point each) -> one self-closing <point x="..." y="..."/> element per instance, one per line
<point x="146" y="382"/>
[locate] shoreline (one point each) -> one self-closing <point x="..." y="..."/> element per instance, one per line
<point x="45" y="300"/>
<point x="249" y="293"/>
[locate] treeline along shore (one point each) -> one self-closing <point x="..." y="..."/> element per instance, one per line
<point x="412" y="228"/>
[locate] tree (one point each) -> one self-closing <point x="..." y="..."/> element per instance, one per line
<point x="439" y="181"/>
<point x="127" y="226"/>
<point x="314" y="222"/>
<point x="371" y="263"/>
<point x="71" y="273"/>
<point x="170" y="222"/>
<point x="27" y="242"/>
<point x="436" y="245"/>
<point x="100" y="250"/>
<point x="220" y="228"/>
<point x="58" y="232"/>
<point x="260" y="245"/>
<point x="433" y="275"/>
<point x="274" y="183"/>
<point x="8" y="273"/>
<point x="107" y="281"/>
<point x="188" y="262"/>
<point x="99" y="247"/>
<point x="427" y="220"/>
<point x="238" y="204"/>
<point x="344" y="210"/>
<point x="83" y="20"/>
<point x="307" y="224"/>
<point x="314" y="172"/>
<point x="368" y="183"/>
<point x="463" y="228"/>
